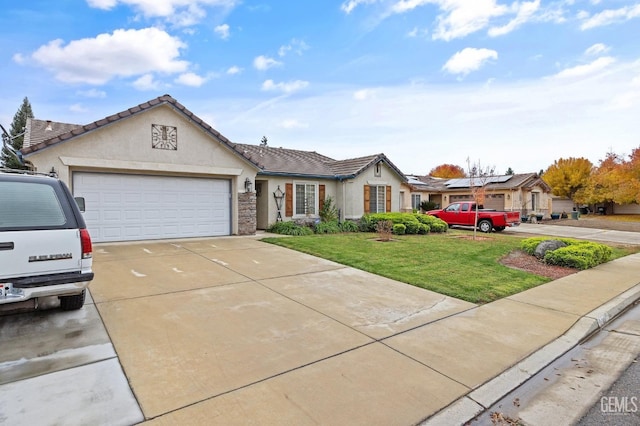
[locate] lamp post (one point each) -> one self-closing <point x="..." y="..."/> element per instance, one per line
<point x="279" y="197"/>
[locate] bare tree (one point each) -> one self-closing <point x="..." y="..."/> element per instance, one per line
<point x="479" y="177"/>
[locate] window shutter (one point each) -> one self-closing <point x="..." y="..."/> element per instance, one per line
<point x="321" y="192"/>
<point x="367" y="198"/>
<point x="388" y="200"/>
<point x="288" y="200"/>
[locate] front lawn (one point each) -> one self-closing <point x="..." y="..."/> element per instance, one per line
<point x="448" y="263"/>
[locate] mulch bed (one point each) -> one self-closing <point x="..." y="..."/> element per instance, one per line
<point x="518" y="259"/>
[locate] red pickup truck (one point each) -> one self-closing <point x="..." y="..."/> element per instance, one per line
<point x="464" y="214"/>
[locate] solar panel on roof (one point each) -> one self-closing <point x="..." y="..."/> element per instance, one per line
<point x="466" y="182"/>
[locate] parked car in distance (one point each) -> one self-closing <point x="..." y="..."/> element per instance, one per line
<point x="45" y="247"/>
<point x="464" y="214"/>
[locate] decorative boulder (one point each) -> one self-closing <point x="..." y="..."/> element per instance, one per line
<point x="545" y="246"/>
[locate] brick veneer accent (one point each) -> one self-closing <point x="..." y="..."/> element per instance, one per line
<point x="247" y="221"/>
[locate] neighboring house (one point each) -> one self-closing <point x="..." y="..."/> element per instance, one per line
<point x="526" y="193"/>
<point x="158" y="171"/>
<point x="357" y="186"/>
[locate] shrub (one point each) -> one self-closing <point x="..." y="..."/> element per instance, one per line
<point x="428" y="205"/>
<point x="577" y="254"/>
<point x="349" y="226"/>
<point x="412" y="222"/>
<point x="399" y="229"/>
<point x="329" y="211"/>
<point x="289" y="228"/>
<point x="384" y="229"/>
<point x="435" y="224"/>
<point x="327" y="227"/>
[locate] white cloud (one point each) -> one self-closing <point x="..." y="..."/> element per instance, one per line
<point x="290" y="87"/>
<point x="293" y="124"/>
<point x="586" y="69"/>
<point x="297" y="46"/>
<point x="222" y="31"/>
<point x="93" y="93"/>
<point x="181" y="13"/>
<point x="469" y="59"/>
<point x="363" y="95"/>
<point x="525" y="12"/>
<point x="78" y="108"/>
<point x="597" y="49"/>
<point x="348" y="6"/>
<point x="263" y="63"/>
<point x="234" y="70"/>
<point x="190" y="79"/>
<point x="125" y="53"/>
<point x="556" y="119"/>
<point x="417" y="32"/>
<point x="146" y="82"/>
<point x="611" y="16"/>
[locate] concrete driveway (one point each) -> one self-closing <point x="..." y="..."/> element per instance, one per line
<point x="231" y="330"/>
<point x="237" y="331"/>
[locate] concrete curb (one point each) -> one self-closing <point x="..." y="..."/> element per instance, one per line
<point x="466" y="408"/>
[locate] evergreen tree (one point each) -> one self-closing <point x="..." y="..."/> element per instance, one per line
<point x="16" y="133"/>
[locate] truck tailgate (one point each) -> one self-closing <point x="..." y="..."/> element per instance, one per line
<point x="39" y="252"/>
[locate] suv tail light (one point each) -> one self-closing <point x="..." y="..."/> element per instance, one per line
<point x="85" y="242"/>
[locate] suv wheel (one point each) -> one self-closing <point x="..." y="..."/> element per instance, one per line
<point x="72" y="303"/>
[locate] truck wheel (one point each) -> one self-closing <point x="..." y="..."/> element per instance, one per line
<point x="485" y="226"/>
<point x="72" y="303"/>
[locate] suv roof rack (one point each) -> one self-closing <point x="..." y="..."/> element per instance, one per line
<point x="27" y="172"/>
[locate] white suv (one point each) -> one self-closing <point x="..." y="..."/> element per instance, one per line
<point x="45" y="248"/>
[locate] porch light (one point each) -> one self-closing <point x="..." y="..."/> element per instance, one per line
<point x="247" y="185"/>
<point x="278" y="195"/>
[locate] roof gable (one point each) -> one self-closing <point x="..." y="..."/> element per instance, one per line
<point x="40" y="139"/>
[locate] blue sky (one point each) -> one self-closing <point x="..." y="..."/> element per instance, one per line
<point x="515" y="84"/>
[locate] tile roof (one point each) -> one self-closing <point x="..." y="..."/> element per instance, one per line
<point x="39" y="138"/>
<point x="38" y="131"/>
<point x="279" y="161"/>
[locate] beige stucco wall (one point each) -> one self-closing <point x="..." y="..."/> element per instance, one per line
<point x="125" y="147"/>
<point x="356" y="190"/>
<point x="267" y="211"/>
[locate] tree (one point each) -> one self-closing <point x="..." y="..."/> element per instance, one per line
<point x="478" y="179"/>
<point x="509" y="172"/>
<point x="447" y="171"/>
<point x="569" y="177"/>
<point x="16" y="135"/>
<point x="605" y="181"/>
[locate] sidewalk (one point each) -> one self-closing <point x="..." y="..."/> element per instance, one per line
<point x="594" y="297"/>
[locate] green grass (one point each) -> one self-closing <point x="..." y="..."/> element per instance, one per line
<point x="444" y="263"/>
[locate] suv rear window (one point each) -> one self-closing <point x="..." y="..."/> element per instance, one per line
<point x="29" y="205"/>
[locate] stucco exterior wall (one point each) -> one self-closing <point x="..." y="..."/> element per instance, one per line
<point x="387" y="177"/>
<point x="125" y="146"/>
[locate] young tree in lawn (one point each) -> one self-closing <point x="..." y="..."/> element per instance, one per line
<point x="447" y="171"/>
<point x="16" y="136"/>
<point x="568" y="177"/>
<point x="479" y="177"/>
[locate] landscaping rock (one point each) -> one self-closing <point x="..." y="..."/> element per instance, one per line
<point x="545" y="246"/>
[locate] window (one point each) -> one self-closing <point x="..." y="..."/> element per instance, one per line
<point x="306" y="201"/>
<point x="29" y="205"/>
<point x="415" y="201"/>
<point x="377" y="198"/>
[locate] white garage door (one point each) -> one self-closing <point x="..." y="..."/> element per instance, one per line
<point x="122" y="207"/>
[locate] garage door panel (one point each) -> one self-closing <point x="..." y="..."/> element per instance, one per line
<point x="131" y="207"/>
